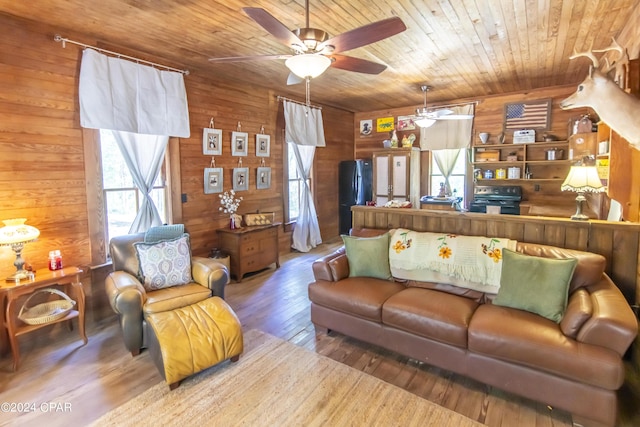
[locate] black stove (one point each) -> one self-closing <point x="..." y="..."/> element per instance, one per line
<point x="507" y="197"/>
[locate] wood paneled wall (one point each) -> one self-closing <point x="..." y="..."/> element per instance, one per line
<point x="489" y="117"/>
<point x="42" y="161"/>
<point x="618" y="242"/>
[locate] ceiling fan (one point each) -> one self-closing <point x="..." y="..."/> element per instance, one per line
<point x="314" y="51"/>
<point x="427" y="117"/>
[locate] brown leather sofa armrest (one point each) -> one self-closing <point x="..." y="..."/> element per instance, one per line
<point x="579" y="310"/>
<point x="321" y="268"/>
<point x="339" y="267"/>
<point x="210" y="273"/>
<point x="612" y="324"/>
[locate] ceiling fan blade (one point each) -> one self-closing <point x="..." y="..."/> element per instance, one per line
<point x="274" y="27"/>
<point x="366" y="34"/>
<point x="358" y="65"/>
<point x="294" y="80"/>
<point x="249" y="58"/>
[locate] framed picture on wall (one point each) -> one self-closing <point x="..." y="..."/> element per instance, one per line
<point x="213" y="180"/>
<point x="263" y="178"/>
<point x="239" y="141"/>
<point x="528" y="115"/>
<point x="366" y="127"/>
<point x="212" y="142"/>
<point x="240" y="179"/>
<point x="263" y="145"/>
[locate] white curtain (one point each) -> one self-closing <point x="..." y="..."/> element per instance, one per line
<point x="448" y="134"/>
<point x="303" y="125"/>
<point x="304" y="132"/>
<point x="446" y="160"/>
<point x="306" y="233"/>
<point x="143" y="155"/>
<point x="122" y="95"/>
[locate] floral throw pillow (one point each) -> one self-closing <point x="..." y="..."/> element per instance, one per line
<point x="164" y="264"/>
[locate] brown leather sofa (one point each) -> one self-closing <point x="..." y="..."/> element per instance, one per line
<point x="576" y="365"/>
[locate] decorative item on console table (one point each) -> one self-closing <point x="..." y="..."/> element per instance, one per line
<point x="230" y="205"/>
<point x="16" y="233"/>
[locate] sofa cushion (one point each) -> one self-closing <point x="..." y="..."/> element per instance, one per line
<point x="359" y="296"/>
<point x="164" y="264"/>
<point x="174" y="297"/>
<point x="535" y="284"/>
<point x="431" y="314"/>
<point x="368" y="256"/>
<point x="524" y="338"/>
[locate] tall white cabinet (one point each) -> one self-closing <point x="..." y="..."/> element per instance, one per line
<point x="396" y="176"/>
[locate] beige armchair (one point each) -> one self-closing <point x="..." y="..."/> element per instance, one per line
<point x="131" y="301"/>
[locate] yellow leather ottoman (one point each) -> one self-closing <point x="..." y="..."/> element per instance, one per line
<point x="187" y="340"/>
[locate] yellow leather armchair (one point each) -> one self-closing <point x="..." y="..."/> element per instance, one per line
<point x="131" y="301"/>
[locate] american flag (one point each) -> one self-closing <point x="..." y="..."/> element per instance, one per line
<point x="527" y="115"/>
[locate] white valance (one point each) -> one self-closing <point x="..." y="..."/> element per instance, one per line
<point x="121" y="95"/>
<point x="303" y="125"/>
<point x="448" y="134"/>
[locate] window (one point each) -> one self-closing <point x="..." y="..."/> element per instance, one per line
<point x="121" y="197"/>
<point x="294" y="186"/>
<point x="457" y="179"/>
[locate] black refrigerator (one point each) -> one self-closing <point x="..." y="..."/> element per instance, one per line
<point x="355" y="188"/>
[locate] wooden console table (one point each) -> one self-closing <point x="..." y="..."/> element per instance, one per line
<point x="68" y="278"/>
<point x="251" y="248"/>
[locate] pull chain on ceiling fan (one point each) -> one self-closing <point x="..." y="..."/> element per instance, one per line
<point x="314" y="51"/>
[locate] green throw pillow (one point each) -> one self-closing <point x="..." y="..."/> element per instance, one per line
<point x="368" y="256"/>
<point x="536" y="284"/>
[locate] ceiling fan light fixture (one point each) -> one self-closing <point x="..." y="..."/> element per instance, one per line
<point x="425" y="122"/>
<point x="308" y="65"/>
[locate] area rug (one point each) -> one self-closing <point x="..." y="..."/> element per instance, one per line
<point x="277" y="383"/>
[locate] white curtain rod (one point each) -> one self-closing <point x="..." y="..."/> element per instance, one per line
<point x="282" y="98"/>
<point x="63" y="40"/>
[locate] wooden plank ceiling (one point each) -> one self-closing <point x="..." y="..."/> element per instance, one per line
<point x="464" y="48"/>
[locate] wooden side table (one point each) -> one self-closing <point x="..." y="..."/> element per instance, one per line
<point x="251" y="248"/>
<point x="68" y="277"/>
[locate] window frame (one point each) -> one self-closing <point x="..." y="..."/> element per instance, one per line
<point x="96" y="202"/>
<point x="286" y="185"/>
<point x="433" y="167"/>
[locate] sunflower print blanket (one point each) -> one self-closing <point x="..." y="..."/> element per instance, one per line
<point x="474" y="261"/>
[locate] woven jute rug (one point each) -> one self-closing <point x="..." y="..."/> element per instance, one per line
<point x="276" y="383"/>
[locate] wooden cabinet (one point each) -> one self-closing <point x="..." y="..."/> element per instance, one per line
<point x="250" y="248"/>
<point x="396" y="176"/>
<point x="529" y="161"/>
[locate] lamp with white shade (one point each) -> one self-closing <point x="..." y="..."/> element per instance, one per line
<point x="582" y="179"/>
<point x="16" y="233"/>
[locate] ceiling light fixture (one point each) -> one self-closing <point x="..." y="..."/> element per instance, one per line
<point x="308" y="65"/>
<point x="426" y="118"/>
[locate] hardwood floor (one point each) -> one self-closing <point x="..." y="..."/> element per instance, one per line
<point x="71" y="384"/>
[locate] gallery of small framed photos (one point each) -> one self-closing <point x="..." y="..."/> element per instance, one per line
<point x="212" y="145"/>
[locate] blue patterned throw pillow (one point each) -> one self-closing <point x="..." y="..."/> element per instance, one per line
<point x="164" y="264"/>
